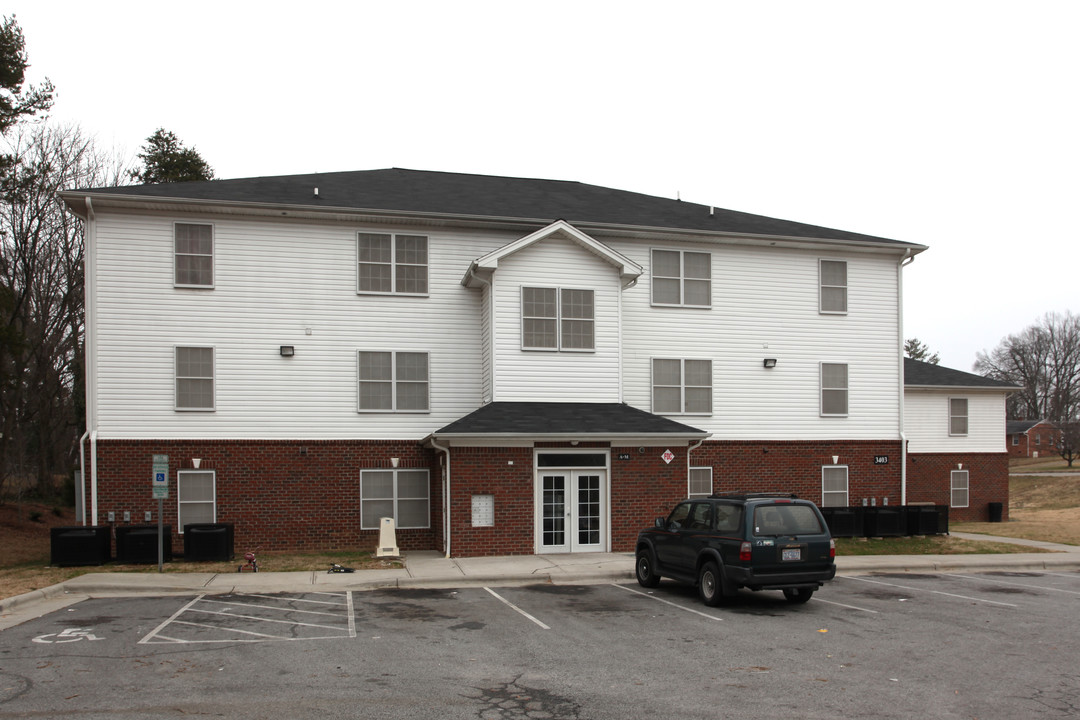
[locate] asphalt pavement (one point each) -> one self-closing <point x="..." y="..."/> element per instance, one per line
<point x="429" y="569"/>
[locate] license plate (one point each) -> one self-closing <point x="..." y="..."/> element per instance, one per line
<point x="793" y="554"/>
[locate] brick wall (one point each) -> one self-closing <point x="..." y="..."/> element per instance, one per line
<point x="929" y="480"/>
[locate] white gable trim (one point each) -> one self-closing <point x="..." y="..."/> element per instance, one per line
<point x="629" y="271"/>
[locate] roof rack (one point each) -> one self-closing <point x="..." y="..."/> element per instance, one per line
<point x="720" y="495"/>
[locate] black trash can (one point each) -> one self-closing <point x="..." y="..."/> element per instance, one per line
<point x="995" y="511"/>
<point x="139" y="543"/>
<point x="80" y="545"/>
<point x="208" y="542"/>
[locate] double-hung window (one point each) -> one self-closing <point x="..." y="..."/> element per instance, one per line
<point x="681" y="386"/>
<point x="399" y="494"/>
<point x="195" y="497"/>
<point x="833" y="286"/>
<point x="700" y="482"/>
<point x="393" y="381"/>
<point x="834" y="389"/>
<point x="193" y="255"/>
<point x="959" y="488"/>
<point x="958" y="416"/>
<point x="681" y="278"/>
<point x="392" y="263"/>
<point x="834" y="486"/>
<point x="558" y="319"/>
<point x="194" y="377"/>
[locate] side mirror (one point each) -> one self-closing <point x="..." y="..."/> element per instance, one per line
<point x="660" y="522"/>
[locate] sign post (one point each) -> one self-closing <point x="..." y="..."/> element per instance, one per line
<point x="161" y="492"/>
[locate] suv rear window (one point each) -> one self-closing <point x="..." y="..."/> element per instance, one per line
<point x="786" y="520"/>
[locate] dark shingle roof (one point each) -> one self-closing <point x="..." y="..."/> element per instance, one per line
<point x="924" y="374"/>
<point x="1018" y="427"/>
<point x="563" y="418"/>
<point x="457" y="194"/>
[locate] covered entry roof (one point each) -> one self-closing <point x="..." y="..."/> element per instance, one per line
<point x="566" y="419"/>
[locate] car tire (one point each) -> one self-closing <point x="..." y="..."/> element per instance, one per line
<point x="798" y="596"/>
<point x="645" y="569"/>
<point x="711" y="584"/>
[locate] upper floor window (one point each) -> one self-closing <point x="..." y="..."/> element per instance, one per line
<point x="681" y="386"/>
<point x="557" y="319"/>
<point x="958" y="416"/>
<point x="681" y="278"/>
<point x="194" y="374"/>
<point x="193" y="259"/>
<point x="392" y="263"/>
<point x="393" y="381"/>
<point x="834" y="486"/>
<point x="833" y="296"/>
<point x="834" y="389"/>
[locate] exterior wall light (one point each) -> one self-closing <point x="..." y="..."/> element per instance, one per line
<point x="287" y="351"/>
<point x="769" y="362"/>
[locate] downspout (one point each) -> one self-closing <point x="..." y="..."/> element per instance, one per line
<point x="446" y="496"/>
<point x="82" y="477"/>
<point x="906" y="260"/>
<point x="89" y="355"/>
<point x="690" y="449"/>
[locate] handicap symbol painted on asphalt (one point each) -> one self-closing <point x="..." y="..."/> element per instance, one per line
<point x="69" y="635"/>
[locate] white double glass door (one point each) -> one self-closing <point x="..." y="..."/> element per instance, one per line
<point x="572" y="510"/>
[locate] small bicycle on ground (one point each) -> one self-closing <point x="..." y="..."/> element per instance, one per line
<point x="252" y="564"/>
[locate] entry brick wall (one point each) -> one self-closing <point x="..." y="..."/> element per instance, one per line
<point x="929" y="480"/>
<point x="279" y="495"/>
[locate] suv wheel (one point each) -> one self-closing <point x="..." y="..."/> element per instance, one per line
<point x="798" y="596"/>
<point x="711" y="584"/>
<point x="646" y="569"/>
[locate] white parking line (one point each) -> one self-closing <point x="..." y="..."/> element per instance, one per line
<point x="165" y="624"/>
<point x="934" y="592"/>
<point x="262" y="619"/>
<point x="998" y="581"/>
<point x="304" y="600"/>
<point x="852" y="607"/>
<point x="668" y="602"/>
<point x="271" y="607"/>
<point x="515" y="607"/>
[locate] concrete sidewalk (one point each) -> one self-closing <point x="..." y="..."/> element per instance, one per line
<point x="432" y="570"/>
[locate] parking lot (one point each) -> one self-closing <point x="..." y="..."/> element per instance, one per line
<point x="993" y="645"/>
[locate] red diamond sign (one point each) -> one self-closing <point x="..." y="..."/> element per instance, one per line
<point x="668" y="456"/>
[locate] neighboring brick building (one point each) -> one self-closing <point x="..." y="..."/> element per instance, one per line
<point x="1031" y="438"/>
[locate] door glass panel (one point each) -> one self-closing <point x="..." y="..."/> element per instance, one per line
<point x="588" y="509"/>
<point x="554" y="510"/>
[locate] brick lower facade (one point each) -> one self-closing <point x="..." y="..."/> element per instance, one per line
<point x="929" y="478"/>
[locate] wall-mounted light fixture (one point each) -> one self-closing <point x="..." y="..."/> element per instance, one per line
<point x="287" y="351"/>
<point x="769" y="362"/>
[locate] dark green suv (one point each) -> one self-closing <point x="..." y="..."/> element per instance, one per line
<point x="729" y="541"/>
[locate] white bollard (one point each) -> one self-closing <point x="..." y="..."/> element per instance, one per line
<point x="387" y="539"/>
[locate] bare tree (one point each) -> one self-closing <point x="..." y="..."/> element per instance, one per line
<point x="41" y="299"/>
<point x="1069" y="444"/>
<point x="1045" y="359"/>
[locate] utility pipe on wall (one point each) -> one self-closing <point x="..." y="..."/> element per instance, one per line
<point x="906" y="260"/>
<point x="446" y="497"/>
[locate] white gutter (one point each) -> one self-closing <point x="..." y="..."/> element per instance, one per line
<point x="906" y="260"/>
<point x="690" y="449"/>
<point x="81" y="504"/>
<point x="446" y="496"/>
<point x="90" y="355"/>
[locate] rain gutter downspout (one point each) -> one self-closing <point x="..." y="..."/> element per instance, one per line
<point x="446" y="496"/>
<point x="906" y="260"/>
<point x="90" y="310"/>
<point x="690" y="449"/>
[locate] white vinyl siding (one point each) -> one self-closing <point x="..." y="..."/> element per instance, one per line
<point x="958" y="416"/>
<point x="392" y="263"/>
<point x="194" y="373"/>
<point x="834" y="286"/>
<point x="196" y="498"/>
<point x="681" y="386"/>
<point x="959" y="484"/>
<point x="393" y="381"/>
<point x="834" y="389"/>
<point x="399" y="494"/>
<point x="834" y="486"/>
<point x="193" y="261"/>
<point x="681" y="278"/>
<point x="927" y="421"/>
<point x="699" y="482"/>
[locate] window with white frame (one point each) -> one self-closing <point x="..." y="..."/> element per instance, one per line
<point x="834" y="486"/>
<point x="833" y="286"/>
<point x="400" y="494"/>
<point x="834" y="389"/>
<point x="959" y="489"/>
<point x="958" y="416"/>
<point x="393" y="381"/>
<point x="194" y="374"/>
<point x="1015" y="439"/>
<point x="681" y="386"/>
<point x="681" y="278"/>
<point x="558" y="319"/>
<point x="195" y="497"/>
<point x="193" y="255"/>
<point x="392" y="263"/>
<point x="700" y="482"/>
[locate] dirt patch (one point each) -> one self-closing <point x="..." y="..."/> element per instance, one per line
<point x="24" y="531"/>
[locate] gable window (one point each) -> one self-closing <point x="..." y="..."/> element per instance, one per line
<point x="959" y="488"/>
<point x="834" y="389"/>
<point x="833" y="277"/>
<point x="193" y="255"/>
<point x="392" y="263"/>
<point x="834" y="486"/>
<point x="681" y="278"/>
<point x="958" y="416"/>
<point x="399" y="494"/>
<point x="700" y="482"/>
<point x="195" y="497"/>
<point x="557" y="319"/>
<point x="194" y="373"/>
<point x="393" y="381"/>
<point x="681" y="386"/>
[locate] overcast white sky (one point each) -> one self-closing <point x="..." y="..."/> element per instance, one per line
<point x="953" y="124"/>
